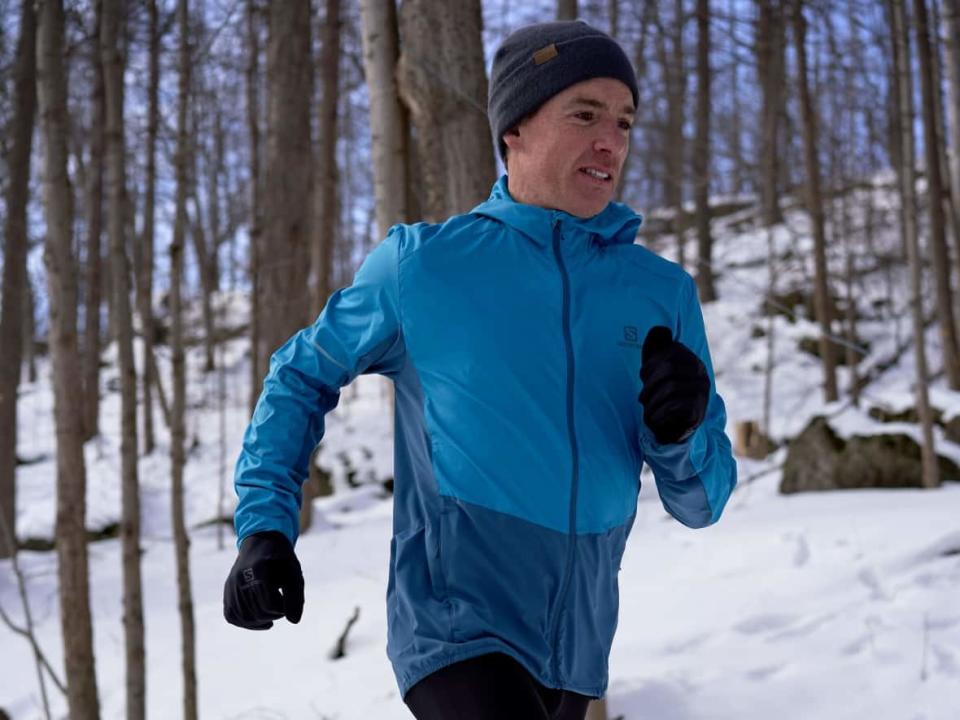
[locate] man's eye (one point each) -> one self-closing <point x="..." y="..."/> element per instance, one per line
<point x="626" y="125"/>
<point x="584" y="115"/>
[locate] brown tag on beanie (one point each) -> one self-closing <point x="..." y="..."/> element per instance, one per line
<point x="543" y="54"/>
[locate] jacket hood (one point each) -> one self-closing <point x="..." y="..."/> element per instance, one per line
<point x="616" y="224"/>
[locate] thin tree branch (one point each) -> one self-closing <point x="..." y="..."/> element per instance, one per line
<point x="8" y="536"/>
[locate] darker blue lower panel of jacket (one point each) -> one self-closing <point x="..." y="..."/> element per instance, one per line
<point x="473" y="581"/>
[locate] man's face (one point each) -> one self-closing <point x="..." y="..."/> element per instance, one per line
<point x="569" y="154"/>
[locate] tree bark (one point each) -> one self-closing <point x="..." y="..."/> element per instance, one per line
<point x="445" y="90"/>
<point x="566" y="9"/>
<point x="701" y="158"/>
<point x="770" y="364"/>
<point x="204" y="251"/>
<point x="178" y="410"/>
<point x="938" y="240"/>
<point x="815" y="207"/>
<point x="215" y="179"/>
<point x="845" y="116"/>
<point x="738" y="178"/>
<point x="29" y="327"/>
<point x="145" y="270"/>
<point x="325" y="236"/>
<point x="647" y="17"/>
<point x="389" y="122"/>
<point x="952" y="221"/>
<point x="71" y="544"/>
<point x="770" y="47"/>
<point x="253" y="128"/>
<point x="908" y="227"/>
<point x="94" y="280"/>
<point x="287" y="189"/>
<point x="675" y="78"/>
<point x="113" y="67"/>
<point x="951" y="26"/>
<point x="20" y="135"/>
<point x="204" y="229"/>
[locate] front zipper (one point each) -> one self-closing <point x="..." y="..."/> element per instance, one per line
<point x="571" y="431"/>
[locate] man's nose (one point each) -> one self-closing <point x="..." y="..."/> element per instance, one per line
<point x="611" y="139"/>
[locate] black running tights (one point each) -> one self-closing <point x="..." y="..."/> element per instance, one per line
<point x="491" y="687"/>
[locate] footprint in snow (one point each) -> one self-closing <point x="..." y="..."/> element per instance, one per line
<point x="802" y="554"/>
<point x="764" y="623"/>
<point x="805" y="628"/>
<point x="946" y="546"/>
<point x="857" y="646"/>
<point x="684" y="645"/>
<point x="801" y="550"/>
<point x="946" y="661"/>
<point x="869" y="577"/>
<point x="942" y="623"/>
<point x="763" y="672"/>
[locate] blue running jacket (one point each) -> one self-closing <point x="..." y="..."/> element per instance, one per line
<point x="513" y="335"/>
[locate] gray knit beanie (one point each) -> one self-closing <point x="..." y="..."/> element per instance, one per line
<point x="538" y="61"/>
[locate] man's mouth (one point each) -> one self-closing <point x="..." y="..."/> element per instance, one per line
<point x="597" y="173"/>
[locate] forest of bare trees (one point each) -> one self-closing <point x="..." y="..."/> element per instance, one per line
<point x="157" y="155"/>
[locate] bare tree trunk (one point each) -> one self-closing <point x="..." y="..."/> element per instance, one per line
<point x="675" y="78"/>
<point x="770" y="46"/>
<point x="613" y="10"/>
<point x="846" y="164"/>
<point x="215" y="178"/>
<point x="20" y="134"/>
<point x="771" y="340"/>
<point x="446" y="92"/>
<point x="283" y="302"/>
<point x="345" y="205"/>
<point x="178" y="425"/>
<point x="145" y="271"/>
<point x="852" y="355"/>
<point x="203" y="250"/>
<point x="73" y="574"/>
<point x="908" y="226"/>
<point x="938" y="241"/>
<point x="113" y="66"/>
<point x="937" y="78"/>
<point x="325" y="236"/>
<point x="161" y="394"/>
<point x="951" y="25"/>
<point x="815" y="207"/>
<point x="223" y="474"/>
<point x="28" y="630"/>
<point x="94" y="281"/>
<point x="204" y="230"/>
<point x="389" y="123"/>
<point x="740" y="173"/>
<point x="29" y="329"/>
<point x="647" y="17"/>
<point x="253" y="127"/>
<point x="701" y="158"/>
<point x="566" y="9"/>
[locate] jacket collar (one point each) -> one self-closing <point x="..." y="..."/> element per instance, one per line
<point x="615" y="224"/>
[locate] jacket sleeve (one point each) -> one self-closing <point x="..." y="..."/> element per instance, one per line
<point x="694" y="477"/>
<point x="357" y="332"/>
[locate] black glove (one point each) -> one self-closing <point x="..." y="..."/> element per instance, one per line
<point x="676" y="387"/>
<point x="265" y="583"/>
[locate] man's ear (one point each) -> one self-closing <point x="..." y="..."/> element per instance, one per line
<point x="511" y="138"/>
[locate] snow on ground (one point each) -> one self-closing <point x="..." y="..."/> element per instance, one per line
<point x="836" y="606"/>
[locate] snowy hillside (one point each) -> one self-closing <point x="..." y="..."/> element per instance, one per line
<point x="835" y="606"/>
